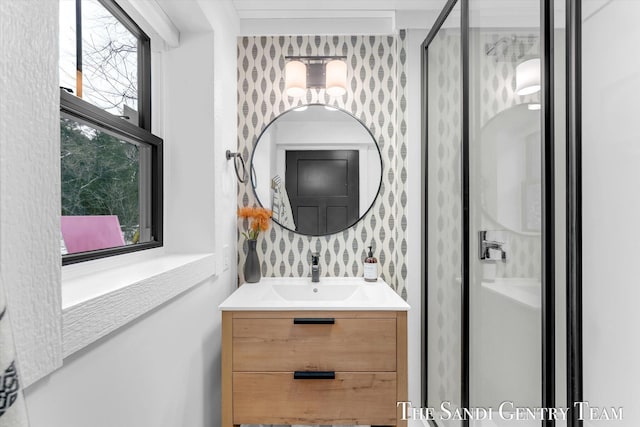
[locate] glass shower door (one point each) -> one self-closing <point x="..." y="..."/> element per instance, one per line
<point x="505" y="206"/>
<point x="491" y="336"/>
<point x="444" y="216"/>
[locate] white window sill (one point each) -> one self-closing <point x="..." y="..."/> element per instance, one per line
<point x="97" y="303"/>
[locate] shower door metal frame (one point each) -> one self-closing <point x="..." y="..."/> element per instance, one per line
<point x="548" y="275"/>
<point x="574" y="208"/>
<point x="442" y="17"/>
<point x="548" y="207"/>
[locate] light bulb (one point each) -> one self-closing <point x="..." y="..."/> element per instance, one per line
<point x="295" y="78"/>
<point x="336" y="77"/>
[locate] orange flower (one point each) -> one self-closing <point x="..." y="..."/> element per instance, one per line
<point x="259" y="220"/>
<point x="245" y="212"/>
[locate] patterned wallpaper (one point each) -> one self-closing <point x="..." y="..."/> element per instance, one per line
<point x="376" y="96"/>
<point x="444" y="218"/>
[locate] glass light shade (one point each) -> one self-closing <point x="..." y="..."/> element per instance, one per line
<point x="528" y="77"/>
<point x="336" y="73"/>
<point x="534" y="107"/>
<point x="295" y="73"/>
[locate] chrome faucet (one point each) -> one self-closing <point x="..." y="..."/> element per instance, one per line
<point x="487" y="242"/>
<point x="315" y="268"/>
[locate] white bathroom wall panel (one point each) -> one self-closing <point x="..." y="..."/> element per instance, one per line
<point x="376" y="96"/>
<point x="611" y="208"/>
<point x="123" y="379"/>
<point x="30" y="182"/>
<point x="189" y="130"/>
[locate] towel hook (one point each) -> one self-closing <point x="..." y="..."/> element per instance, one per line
<point x="236" y="156"/>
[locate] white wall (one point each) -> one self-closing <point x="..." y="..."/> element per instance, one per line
<point x="611" y="208"/>
<point x="30" y="181"/>
<point x="189" y="129"/>
<point x="164" y="368"/>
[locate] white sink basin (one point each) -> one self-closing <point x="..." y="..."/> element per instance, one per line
<point x="315" y="292"/>
<point x="294" y="293"/>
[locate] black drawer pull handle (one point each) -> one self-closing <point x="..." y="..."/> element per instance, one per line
<point x="314" y="321"/>
<point x="314" y="375"/>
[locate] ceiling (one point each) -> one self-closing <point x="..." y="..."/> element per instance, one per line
<point x="351" y="17"/>
<point x="334" y="16"/>
<point x="317" y="17"/>
<point x="328" y="8"/>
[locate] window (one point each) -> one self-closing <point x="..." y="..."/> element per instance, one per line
<point x="111" y="164"/>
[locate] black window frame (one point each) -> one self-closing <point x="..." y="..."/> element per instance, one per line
<point x="74" y="107"/>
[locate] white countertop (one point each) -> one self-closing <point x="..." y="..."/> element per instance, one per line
<point x="299" y="293"/>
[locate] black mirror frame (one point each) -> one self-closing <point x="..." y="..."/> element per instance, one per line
<point x="373" y="139"/>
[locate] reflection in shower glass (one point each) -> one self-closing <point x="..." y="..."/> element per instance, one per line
<point x="505" y="196"/>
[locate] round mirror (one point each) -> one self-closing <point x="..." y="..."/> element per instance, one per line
<point x="317" y="168"/>
<point x="510" y="169"/>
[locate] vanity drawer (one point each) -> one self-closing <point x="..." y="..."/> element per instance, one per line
<point x="350" y="398"/>
<point x="348" y="344"/>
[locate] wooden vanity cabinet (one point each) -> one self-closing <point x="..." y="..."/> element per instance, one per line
<point x="320" y="367"/>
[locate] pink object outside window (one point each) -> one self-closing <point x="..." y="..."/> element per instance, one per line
<point x="89" y="233"/>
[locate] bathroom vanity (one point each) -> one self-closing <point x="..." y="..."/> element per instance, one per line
<point x="296" y="352"/>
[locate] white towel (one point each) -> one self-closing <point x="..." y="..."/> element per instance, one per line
<point x="280" y="204"/>
<point x="13" y="412"/>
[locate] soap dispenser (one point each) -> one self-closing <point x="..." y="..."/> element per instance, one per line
<point x="370" y="267"/>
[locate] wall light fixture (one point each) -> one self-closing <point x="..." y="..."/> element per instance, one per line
<point x="315" y="72"/>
